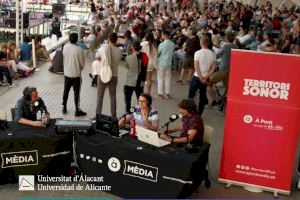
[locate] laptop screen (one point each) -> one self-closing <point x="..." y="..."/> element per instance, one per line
<point x="107" y="124"/>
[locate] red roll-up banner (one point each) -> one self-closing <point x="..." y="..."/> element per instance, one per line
<point x="262" y="120"/>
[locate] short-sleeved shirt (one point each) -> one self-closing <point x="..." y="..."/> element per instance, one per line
<point x="192" y="45"/>
<point x="165" y="51"/>
<point x="190" y="123"/>
<point x="29" y="111"/>
<point x="137" y="116"/>
<point x="206" y="58"/>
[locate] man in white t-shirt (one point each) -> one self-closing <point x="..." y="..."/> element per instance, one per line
<point x="204" y="64"/>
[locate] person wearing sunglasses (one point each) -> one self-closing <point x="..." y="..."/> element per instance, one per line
<point x="143" y="114"/>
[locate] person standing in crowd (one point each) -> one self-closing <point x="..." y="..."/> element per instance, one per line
<point x="127" y="43"/>
<point x="116" y="55"/>
<point x="26" y="51"/>
<point x="223" y="73"/>
<point x="191" y="46"/>
<point x="95" y="66"/>
<point x="145" y="115"/>
<point x="149" y="47"/>
<point x="192" y="127"/>
<point x="74" y="61"/>
<point x="28" y="106"/>
<point x="164" y="62"/>
<point x="136" y="65"/>
<point x="55" y="28"/>
<point x="205" y="63"/>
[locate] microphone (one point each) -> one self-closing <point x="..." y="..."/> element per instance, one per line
<point x="132" y="110"/>
<point x="172" y="118"/>
<point x="36" y="104"/>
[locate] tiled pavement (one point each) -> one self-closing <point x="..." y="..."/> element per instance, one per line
<point x="50" y="88"/>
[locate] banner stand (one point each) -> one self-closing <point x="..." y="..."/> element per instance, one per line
<point x="262" y="122"/>
<point x="254" y="188"/>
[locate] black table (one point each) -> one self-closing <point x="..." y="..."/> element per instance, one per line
<point x="33" y="151"/>
<point x="143" y="171"/>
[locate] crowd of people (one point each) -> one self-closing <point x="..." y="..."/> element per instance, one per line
<point x="16" y="62"/>
<point x="164" y="38"/>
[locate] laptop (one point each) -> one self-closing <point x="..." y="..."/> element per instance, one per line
<point x="109" y="125"/>
<point x="150" y="137"/>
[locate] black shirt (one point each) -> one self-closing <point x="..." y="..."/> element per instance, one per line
<point x="28" y="111"/>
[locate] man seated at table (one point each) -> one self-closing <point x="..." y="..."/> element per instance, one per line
<point x="192" y="125"/>
<point x="28" y="106"/>
<point x="144" y="115"/>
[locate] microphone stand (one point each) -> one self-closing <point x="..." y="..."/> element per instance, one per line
<point x="5" y="126"/>
<point x="8" y="131"/>
<point x="167" y="128"/>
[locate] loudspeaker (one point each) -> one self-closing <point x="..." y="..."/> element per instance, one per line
<point x="58" y="9"/>
<point x="11" y="22"/>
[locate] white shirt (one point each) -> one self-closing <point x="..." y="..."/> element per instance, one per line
<point x="206" y="58"/>
<point x="74" y="60"/>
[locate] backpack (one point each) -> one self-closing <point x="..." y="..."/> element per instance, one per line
<point x="143" y="58"/>
<point x="105" y="69"/>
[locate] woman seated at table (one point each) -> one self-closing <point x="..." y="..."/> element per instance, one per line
<point x="192" y="125"/>
<point x="144" y="115"/>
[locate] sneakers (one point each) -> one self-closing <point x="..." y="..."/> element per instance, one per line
<point x="12" y="85"/>
<point x="214" y="103"/>
<point x="3" y="83"/>
<point x="159" y="96"/>
<point x="179" y="82"/>
<point x="79" y="113"/>
<point x="167" y="96"/>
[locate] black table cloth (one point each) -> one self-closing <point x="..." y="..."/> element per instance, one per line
<point x="135" y="169"/>
<point x="33" y="151"/>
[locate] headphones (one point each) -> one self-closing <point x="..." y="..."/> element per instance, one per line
<point x="27" y="92"/>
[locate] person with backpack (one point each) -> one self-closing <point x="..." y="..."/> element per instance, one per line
<point x="136" y="65"/>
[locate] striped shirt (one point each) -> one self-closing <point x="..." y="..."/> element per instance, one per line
<point x="137" y="116"/>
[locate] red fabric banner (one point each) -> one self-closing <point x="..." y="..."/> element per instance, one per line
<point x="262" y="120"/>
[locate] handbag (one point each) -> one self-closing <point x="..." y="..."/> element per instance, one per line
<point x="105" y="71"/>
